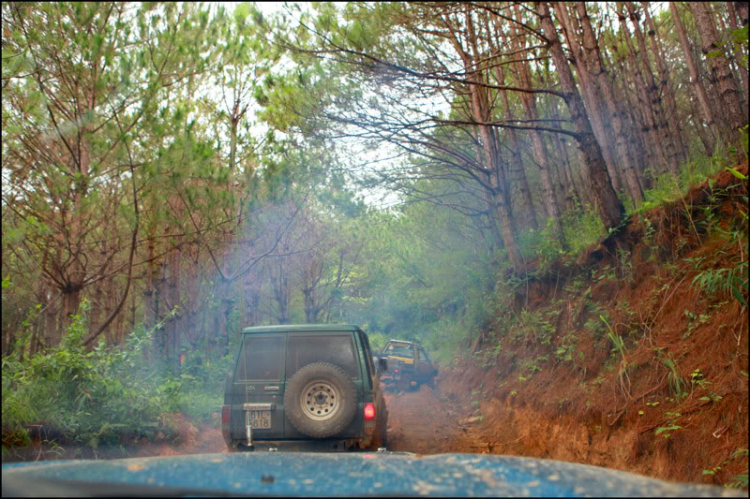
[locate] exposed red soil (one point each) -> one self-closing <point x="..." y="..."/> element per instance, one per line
<point x="596" y="410"/>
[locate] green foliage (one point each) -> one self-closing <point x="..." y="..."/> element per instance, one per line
<point x="666" y="188"/>
<point x="737" y="44"/>
<point x="732" y="279"/>
<point x="617" y="341"/>
<point x="694" y="321"/>
<point x="377" y="341"/>
<point x="104" y="397"/>
<point x="582" y="229"/>
<point x="531" y="326"/>
<point x="566" y="351"/>
<point x="739" y="481"/>
<point x="726" y="281"/>
<point x="677" y="385"/>
<point x="672" y="426"/>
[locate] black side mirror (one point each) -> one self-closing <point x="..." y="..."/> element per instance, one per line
<point x="383" y="364"/>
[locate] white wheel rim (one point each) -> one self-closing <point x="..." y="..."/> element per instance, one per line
<point x="320" y="400"/>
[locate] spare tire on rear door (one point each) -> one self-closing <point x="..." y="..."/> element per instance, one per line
<point x="320" y="400"/>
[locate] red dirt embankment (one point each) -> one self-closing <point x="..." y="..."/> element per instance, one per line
<point x="673" y="404"/>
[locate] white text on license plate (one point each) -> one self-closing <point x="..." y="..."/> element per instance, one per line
<point x="260" y="420"/>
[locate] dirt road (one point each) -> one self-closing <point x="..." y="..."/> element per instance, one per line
<point x="427" y="421"/>
<point x="423" y="421"/>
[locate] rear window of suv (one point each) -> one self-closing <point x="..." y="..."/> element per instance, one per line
<point x="400" y="350"/>
<point x="337" y="349"/>
<point x="262" y="358"/>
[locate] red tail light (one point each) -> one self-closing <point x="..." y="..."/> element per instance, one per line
<point x="225" y="414"/>
<point x="369" y="412"/>
<point x="395" y="370"/>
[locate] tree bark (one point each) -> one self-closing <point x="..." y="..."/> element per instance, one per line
<point x="654" y="97"/>
<point x="632" y="119"/>
<point x="592" y="94"/>
<point x="596" y="67"/>
<point x="743" y="51"/>
<point x="110" y="302"/>
<point x="609" y="206"/>
<point x="695" y="79"/>
<point x="734" y="114"/>
<point x="742" y="12"/>
<point x="517" y="170"/>
<point x="538" y="148"/>
<point x="493" y="166"/>
<point x="573" y="187"/>
<point x="150" y="313"/>
<point x="650" y="125"/>
<point x="51" y="329"/>
<point x="672" y="117"/>
<point x="704" y="134"/>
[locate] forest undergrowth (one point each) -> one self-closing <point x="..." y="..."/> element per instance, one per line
<point x="71" y="401"/>
<point x="631" y="354"/>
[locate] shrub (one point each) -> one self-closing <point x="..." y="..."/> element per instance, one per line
<point x="102" y="397"/>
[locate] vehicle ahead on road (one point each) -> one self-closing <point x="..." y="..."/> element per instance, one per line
<point x="408" y="365"/>
<point x="304" y="387"/>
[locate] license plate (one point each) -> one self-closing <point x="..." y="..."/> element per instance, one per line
<point x="260" y="420"/>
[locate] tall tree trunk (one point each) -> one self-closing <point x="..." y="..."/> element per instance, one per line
<point x="650" y="125"/>
<point x="252" y="300"/>
<point x="703" y="133"/>
<point x="492" y="215"/>
<point x="158" y="305"/>
<point x="51" y="328"/>
<point x="742" y="12"/>
<point x="71" y="299"/>
<point x="743" y="51"/>
<point x="494" y="168"/>
<point x="110" y="302"/>
<point x="538" y="148"/>
<point x="632" y="120"/>
<point x="609" y="206"/>
<point x="599" y="73"/>
<point x="672" y="117"/>
<point x="735" y="116"/>
<point x="517" y="170"/>
<point x="120" y="325"/>
<point x="729" y="53"/>
<point x="695" y="80"/>
<point x="175" y="323"/>
<point x="570" y="189"/>
<point x="150" y="316"/>
<point x="574" y="189"/>
<point x="280" y="283"/>
<point x="654" y="96"/>
<point x="97" y="304"/>
<point x="518" y="178"/>
<point x="592" y="95"/>
<point x="191" y="292"/>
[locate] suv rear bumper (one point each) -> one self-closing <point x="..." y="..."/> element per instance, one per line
<point x="328" y="445"/>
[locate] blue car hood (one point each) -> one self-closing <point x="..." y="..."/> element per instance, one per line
<point x="350" y="474"/>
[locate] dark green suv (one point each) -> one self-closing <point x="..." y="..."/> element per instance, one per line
<point x="304" y="387"/>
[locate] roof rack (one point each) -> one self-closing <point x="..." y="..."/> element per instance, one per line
<point x="296" y="328"/>
<point x="403" y="341"/>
